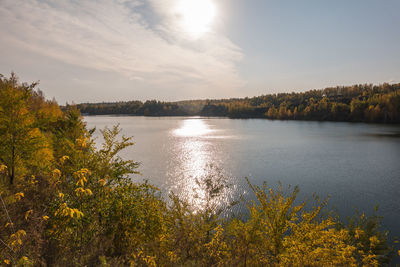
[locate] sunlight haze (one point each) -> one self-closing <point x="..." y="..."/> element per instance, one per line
<point x="196" y="16"/>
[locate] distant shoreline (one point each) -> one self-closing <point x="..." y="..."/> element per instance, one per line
<point x="358" y="103"/>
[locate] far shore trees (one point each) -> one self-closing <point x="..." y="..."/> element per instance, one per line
<point x="357" y="103"/>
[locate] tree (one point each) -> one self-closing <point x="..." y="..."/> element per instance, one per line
<point x="19" y="136"/>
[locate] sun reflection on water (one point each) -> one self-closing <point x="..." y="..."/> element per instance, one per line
<point x="193" y="127"/>
<point x="196" y="158"/>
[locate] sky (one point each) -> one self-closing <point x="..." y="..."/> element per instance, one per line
<point x="121" y="50"/>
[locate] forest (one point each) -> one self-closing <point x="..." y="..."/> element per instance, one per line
<point x="66" y="202"/>
<point x="357" y="103"/>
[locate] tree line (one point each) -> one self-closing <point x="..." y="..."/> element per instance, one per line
<point x="137" y="108"/>
<point x="64" y="201"/>
<point x="357" y="103"/>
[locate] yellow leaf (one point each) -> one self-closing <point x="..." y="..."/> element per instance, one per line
<point x="27" y="214"/>
<point x="45" y="218"/>
<point x="81" y="142"/>
<point x="2" y="167"/>
<point x="61" y="195"/>
<point x="22" y="232"/>
<point x="19" y="195"/>
<point x="33" y="180"/>
<point x="56" y="173"/>
<point x="79" y="191"/>
<point x="63" y="159"/>
<point x="80" y="181"/>
<point x="102" y="182"/>
<point x="7" y="262"/>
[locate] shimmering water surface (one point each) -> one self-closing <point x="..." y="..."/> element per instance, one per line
<point x="358" y="165"/>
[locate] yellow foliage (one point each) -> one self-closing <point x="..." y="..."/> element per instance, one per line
<point x="172" y="256"/>
<point x="358" y="233"/>
<point x="88" y="191"/>
<point x="3" y="167"/>
<point x="140" y="257"/>
<point x="22" y="232"/>
<point x="65" y="211"/>
<point x="102" y="182"/>
<point x="374" y="241"/>
<point x="314" y="244"/>
<point x="82" y="142"/>
<point x="79" y="191"/>
<point x="81" y="182"/>
<point x="15" y="240"/>
<point x="81" y="176"/>
<point x="44" y="156"/>
<point x="19" y="196"/>
<point x="217" y="248"/>
<point x="33" y="180"/>
<point x="24" y="261"/>
<point x="63" y="159"/>
<point x="56" y="173"/>
<point x="29" y="212"/>
<point x="150" y="261"/>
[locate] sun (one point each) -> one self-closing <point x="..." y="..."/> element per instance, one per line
<point x="196" y="16"/>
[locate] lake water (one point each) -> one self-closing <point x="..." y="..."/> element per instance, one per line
<point x="357" y="164"/>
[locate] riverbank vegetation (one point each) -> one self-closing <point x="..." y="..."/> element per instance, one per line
<point x="358" y="103"/>
<point x="65" y="202"/>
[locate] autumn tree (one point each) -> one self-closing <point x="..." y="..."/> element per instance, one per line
<point x="19" y="136"/>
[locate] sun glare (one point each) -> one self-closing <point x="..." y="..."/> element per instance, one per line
<point x="192" y="128"/>
<point x="196" y="16"/>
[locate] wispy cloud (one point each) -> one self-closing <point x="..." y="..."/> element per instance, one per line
<point x="116" y="36"/>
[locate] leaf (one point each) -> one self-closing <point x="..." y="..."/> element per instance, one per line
<point x="27" y="214"/>
<point x="88" y="191"/>
<point x="19" y="195"/>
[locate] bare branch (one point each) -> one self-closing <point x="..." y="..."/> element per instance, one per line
<point x="8" y="216"/>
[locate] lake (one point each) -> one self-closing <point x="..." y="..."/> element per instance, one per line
<point x="356" y="164"/>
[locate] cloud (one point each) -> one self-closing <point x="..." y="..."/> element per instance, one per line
<point x="118" y="36"/>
